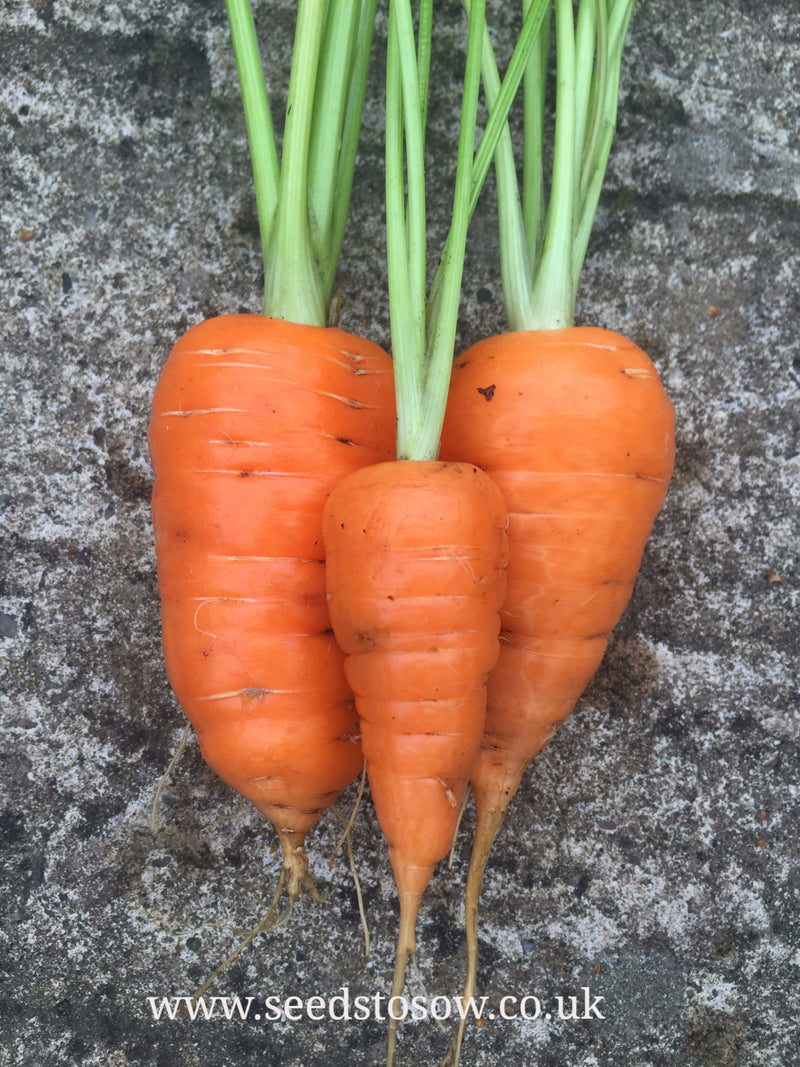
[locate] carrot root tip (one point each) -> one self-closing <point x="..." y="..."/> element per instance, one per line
<point x="295" y="874"/>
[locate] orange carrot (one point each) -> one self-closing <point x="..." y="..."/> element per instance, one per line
<point x="575" y="429"/>
<point x="572" y="424"/>
<point x="254" y="422"/>
<point x="255" y="419"/>
<point x="416" y="556"/>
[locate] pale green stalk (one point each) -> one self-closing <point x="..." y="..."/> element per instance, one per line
<point x="292" y="288"/>
<point x="442" y="328"/>
<point x="422" y="362"/>
<point x="589" y="32"/>
<point x="303" y="200"/>
<point x="594" y="165"/>
<point x="260" y="135"/>
<point x="408" y="353"/>
<point x="349" y="137"/>
<point x="588" y="60"/>
<point x="533" y="95"/>
<point x="424" y="40"/>
<point x="553" y="299"/>
<point x="499" y="101"/>
<point x="416" y="223"/>
<point x="586" y="144"/>
<point x="331" y="92"/>
<point x="515" y="267"/>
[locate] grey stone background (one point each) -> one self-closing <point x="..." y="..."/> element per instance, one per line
<point x="652" y="853"/>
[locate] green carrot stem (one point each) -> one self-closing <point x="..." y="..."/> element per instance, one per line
<point x="442" y="328"/>
<point x="408" y="353"/>
<point x="422" y="362"/>
<point x="588" y="60"/>
<point x="303" y="200"/>
<point x="590" y="31"/>
<point x="604" y="121"/>
<point x="423" y="333"/>
<point x="553" y="298"/>
<point x="292" y="287"/>
<point x="424" y="38"/>
<point x="349" y="137"/>
<point x="499" y="98"/>
<point x="533" y="94"/>
<point x="331" y="90"/>
<point x="515" y="265"/>
<point x="529" y="40"/>
<point x="260" y="134"/>
<point x="416" y="250"/>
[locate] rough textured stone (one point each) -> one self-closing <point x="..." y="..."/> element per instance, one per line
<point x="651" y="854"/>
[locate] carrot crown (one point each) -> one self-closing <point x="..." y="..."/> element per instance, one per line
<point x="303" y="197"/>
<point x="424" y="325"/>
<point x="543" y="239"/>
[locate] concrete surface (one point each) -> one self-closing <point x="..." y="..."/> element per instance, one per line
<point x="652" y="854"/>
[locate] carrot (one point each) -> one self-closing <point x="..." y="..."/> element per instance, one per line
<point x="572" y="424"/>
<point x="597" y="442"/>
<point x="255" y="419"/>
<point x="416" y="548"/>
<point x="416" y="573"/>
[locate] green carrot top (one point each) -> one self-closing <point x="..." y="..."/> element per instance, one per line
<point x="543" y="240"/>
<point x="303" y="197"/>
<point x="424" y="325"/>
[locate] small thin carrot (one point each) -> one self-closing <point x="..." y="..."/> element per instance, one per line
<point x="255" y="419"/>
<point x="572" y="424"/>
<point x="416" y="573"/>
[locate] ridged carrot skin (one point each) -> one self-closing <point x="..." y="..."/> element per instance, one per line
<point x="575" y="429"/>
<point x="254" y="421"/>
<point x="416" y="563"/>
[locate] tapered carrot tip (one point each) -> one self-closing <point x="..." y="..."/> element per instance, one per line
<point x="410" y="900"/>
<point x="488" y="823"/>
<point x="295" y="866"/>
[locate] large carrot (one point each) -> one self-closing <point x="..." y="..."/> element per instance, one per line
<point x="255" y="419"/>
<point x="572" y="423"/>
<point x="254" y="422"/>
<point x="416" y="549"/>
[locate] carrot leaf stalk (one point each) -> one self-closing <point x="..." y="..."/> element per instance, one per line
<point x="543" y="240"/>
<point x="302" y="197"/>
<point x="424" y="328"/>
<point x="533" y="29"/>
